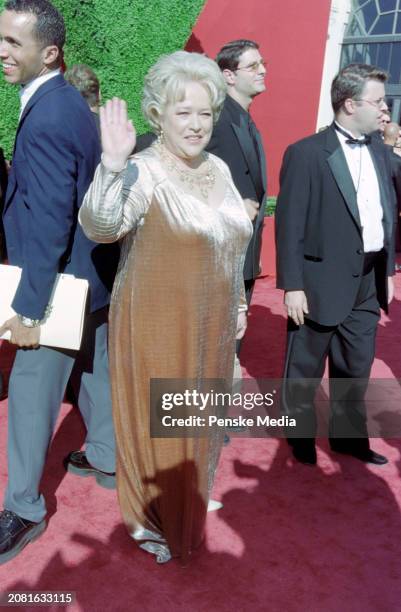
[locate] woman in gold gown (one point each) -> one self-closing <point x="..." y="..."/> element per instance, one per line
<point x="177" y="302"/>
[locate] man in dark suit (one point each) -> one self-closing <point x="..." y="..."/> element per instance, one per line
<point x="3" y="189"/>
<point x="335" y="260"/>
<point x="237" y="141"/>
<point x="3" y="254"/>
<point x="56" y="151"/>
<point x="392" y="140"/>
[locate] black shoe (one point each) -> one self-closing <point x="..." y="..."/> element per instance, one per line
<point x="15" y="533"/>
<point x="77" y="463"/>
<point x="367" y="456"/>
<point x="304" y="454"/>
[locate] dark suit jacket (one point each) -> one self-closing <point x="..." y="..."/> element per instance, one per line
<point x="55" y="155"/>
<point x="96" y="119"/>
<point x="396" y="173"/>
<point x="232" y="142"/>
<point x="318" y="232"/>
<point x="3" y="189"/>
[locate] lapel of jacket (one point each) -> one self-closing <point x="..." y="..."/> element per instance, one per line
<point x="49" y="85"/>
<point x="241" y="131"/>
<point x="339" y="168"/>
<point x="262" y="159"/>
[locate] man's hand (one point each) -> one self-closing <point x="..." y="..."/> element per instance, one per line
<point x="22" y="336"/>
<point x="241" y="325"/>
<point x="252" y="208"/>
<point x="297" y="306"/>
<point x="390" y="289"/>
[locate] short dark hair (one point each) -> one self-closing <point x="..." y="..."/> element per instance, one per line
<point x="228" y="57"/>
<point x="350" y="81"/>
<point x="83" y="78"/>
<point x="49" y="28"/>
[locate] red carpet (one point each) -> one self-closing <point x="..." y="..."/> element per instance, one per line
<point x="289" y="537"/>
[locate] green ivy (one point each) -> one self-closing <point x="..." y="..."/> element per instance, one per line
<point x="270" y="206"/>
<point x="120" y="40"/>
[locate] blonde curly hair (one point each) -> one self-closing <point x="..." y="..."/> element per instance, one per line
<point x="165" y="83"/>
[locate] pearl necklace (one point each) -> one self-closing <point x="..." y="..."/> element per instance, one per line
<point x="204" y="181"/>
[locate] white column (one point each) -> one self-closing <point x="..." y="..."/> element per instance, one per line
<point x="339" y="15"/>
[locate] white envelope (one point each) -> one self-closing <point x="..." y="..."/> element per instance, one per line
<point x="64" y="325"/>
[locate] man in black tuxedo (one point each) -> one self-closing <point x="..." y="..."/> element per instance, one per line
<point x="335" y="260"/>
<point x="237" y="141"/>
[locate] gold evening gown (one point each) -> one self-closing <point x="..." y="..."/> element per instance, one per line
<point x="173" y="314"/>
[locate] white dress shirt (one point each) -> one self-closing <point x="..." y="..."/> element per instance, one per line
<point x="27" y="91"/>
<point x="367" y="189"/>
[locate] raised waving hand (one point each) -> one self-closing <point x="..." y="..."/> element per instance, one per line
<point x="118" y="134"/>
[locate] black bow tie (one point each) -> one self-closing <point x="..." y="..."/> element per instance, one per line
<point x="351" y="140"/>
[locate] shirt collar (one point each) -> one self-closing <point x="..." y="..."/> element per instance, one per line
<point x="27" y="91"/>
<point x="345" y="136"/>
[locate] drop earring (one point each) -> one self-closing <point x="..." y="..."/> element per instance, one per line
<point x="160" y="137"/>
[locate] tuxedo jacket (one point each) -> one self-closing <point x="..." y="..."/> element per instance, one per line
<point x="318" y="231"/>
<point x="232" y="142"/>
<point x="55" y="155"/>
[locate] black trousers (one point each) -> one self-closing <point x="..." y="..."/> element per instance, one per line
<point x="350" y="349"/>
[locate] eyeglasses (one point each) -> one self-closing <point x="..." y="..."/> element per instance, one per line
<point x="377" y="103"/>
<point x="252" y="67"/>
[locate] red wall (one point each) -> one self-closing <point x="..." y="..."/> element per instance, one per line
<point x="292" y="37"/>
